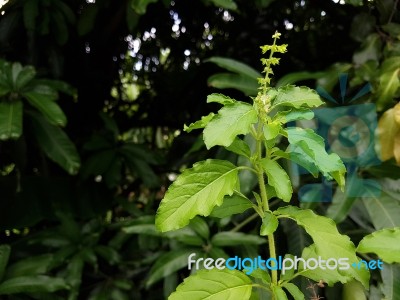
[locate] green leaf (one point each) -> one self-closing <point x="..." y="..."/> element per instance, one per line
<point x="49" y="86"/>
<point x="138" y="159"/>
<point x="353" y="290"/>
<point x="269" y="224"/>
<point x="98" y="163"/>
<point x="16" y="69"/>
<point x="243" y="83"/>
<point x="200" y="123"/>
<point x="271" y="130"/>
<point x="294" y="291"/>
<point x="330" y="277"/>
<point x="329" y="243"/>
<point x="370" y="50"/>
<point x="4" y="88"/>
<point x="390" y="281"/>
<point x="214" y="285"/>
<point x="47" y="107"/>
<point x="56" y="144"/>
<point x="32" y="284"/>
<point x="297" y="97"/>
<point x="235" y="66"/>
<point x="30" y="13"/>
<point x="293" y="115"/>
<point x="145" y="229"/>
<point x="239" y="147"/>
<point x="230" y="238"/>
<point x="232" y="205"/>
<point x="200" y="226"/>
<point x="140" y="6"/>
<point x="342" y="202"/>
<point x="277" y="178"/>
<point x="10" y="120"/>
<point x="30" y="266"/>
<point x="220" y="98"/>
<point x="168" y="263"/>
<point x="384" y="243"/>
<point x="227" y="4"/>
<point x="297" y="238"/>
<point x="310" y="146"/>
<point x="24" y="77"/>
<point x="383" y="210"/>
<point x="4" y="256"/>
<point x="108" y="253"/>
<point x="297" y="76"/>
<point x="389" y="84"/>
<point x="279" y="293"/>
<point x="196" y="192"/>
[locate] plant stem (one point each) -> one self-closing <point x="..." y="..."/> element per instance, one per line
<point x="264" y="198"/>
<point x="245" y="222"/>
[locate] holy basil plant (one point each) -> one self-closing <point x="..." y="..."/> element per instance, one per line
<point x="208" y="185"/>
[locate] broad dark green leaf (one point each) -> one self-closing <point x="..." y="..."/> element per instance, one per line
<point x="30" y="266"/>
<point x="140" y="6"/>
<point x="4" y="256"/>
<point x="232" y="205"/>
<point x="343" y="202"/>
<point x="227" y="4"/>
<point x="384" y="211"/>
<point x="229" y="238"/>
<point x="200" y="226"/>
<point x="10" y="120"/>
<point x="145" y="229"/>
<point x="297" y="97"/>
<point x="294" y="77"/>
<point x="196" y="192"/>
<point x="297" y="238"/>
<point x="214" y="285"/>
<point x="384" y="243"/>
<point x="169" y="263"/>
<point x="370" y="50"/>
<point x="269" y="224"/>
<point x="47" y="107"/>
<point x="109" y="254"/>
<point x="243" y="83"/>
<point x="278" y="178"/>
<point x="98" y="164"/>
<point x="311" y="145"/>
<point x="24" y="77"/>
<point x="56" y="144"/>
<point x="390" y="281"/>
<point x="54" y="85"/>
<point x="74" y="275"/>
<point x="32" y="284"/>
<point x="329" y="243"/>
<point x="235" y="66"/>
